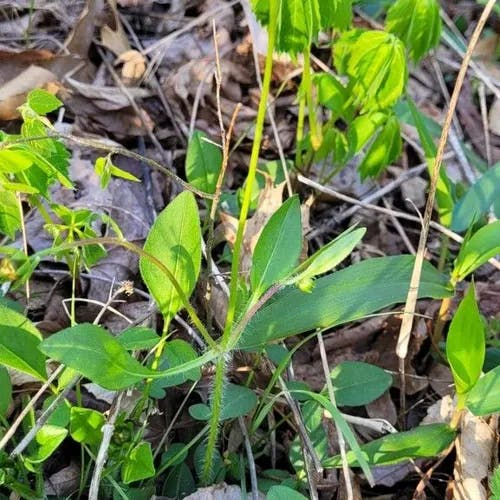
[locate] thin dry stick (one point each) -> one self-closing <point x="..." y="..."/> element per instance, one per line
<point x="102" y="455"/>
<point x="411" y="301"/>
<point x="331" y="394"/>
<point x="484" y="117"/>
<point x="12" y="429"/>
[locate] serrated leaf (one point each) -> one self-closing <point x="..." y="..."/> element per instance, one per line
<point x="203" y="162"/>
<point x="278" y="247"/>
<point x="376" y="65"/>
<point x="19" y="349"/>
<point x="335" y="14"/>
<point x="465" y="344"/>
<point x="175" y="240"/>
<point x="417" y="23"/>
<point x="385" y="149"/>
<point x="357" y="384"/>
<point x="97" y="355"/>
<point x="422" y="442"/>
<point x="138" y="464"/>
<point x="482" y="246"/>
<point x="43" y="102"/>
<point x="484" y="397"/>
<point x="478" y="199"/>
<point x="346" y="295"/>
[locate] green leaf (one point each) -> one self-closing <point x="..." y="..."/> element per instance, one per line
<point x="385" y="149"/>
<point x="362" y="129"/>
<point x="482" y="246"/>
<point x="85" y="425"/>
<point x="19" y="349"/>
<point x="331" y="93"/>
<point x="422" y="442"/>
<point x="5" y="391"/>
<point x="13" y="161"/>
<point x="465" y="344"/>
<point x="478" y="200"/>
<point x="10" y="317"/>
<point x="179" y="482"/>
<point x="42" y="102"/>
<point x="138" y="464"/>
<point x="203" y="162"/>
<point x="495" y="484"/>
<point x="335" y="14"/>
<point x="278" y="248"/>
<point x="237" y="401"/>
<point x="357" y="384"/>
<point x="177" y="352"/>
<point x="138" y="338"/>
<point x="218" y="471"/>
<point x="375" y="63"/>
<point x="484" y="397"/>
<point x="10" y="220"/>
<point x="417" y="23"/>
<point x="97" y="355"/>
<point x="49" y="437"/>
<point x="175" y="240"/>
<point x="105" y="169"/>
<point x="346" y="295"/>
<point x="280" y="492"/>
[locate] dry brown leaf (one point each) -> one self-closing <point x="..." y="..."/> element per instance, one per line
<point x="114" y="38"/>
<point x="270" y="200"/>
<point x="14" y="92"/>
<point x="383" y="407"/>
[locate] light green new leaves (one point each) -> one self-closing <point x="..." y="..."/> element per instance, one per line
<point x="421" y="442"/>
<point x="482" y="246"/>
<point x="138" y="464"/>
<point x="43" y="102"/>
<point x="346" y="295"/>
<point x="48" y="439"/>
<point x="85" y="425"/>
<point x="94" y="353"/>
<point x="10" y="220"/>
<point x="465" y="344"/>
<point x="299" y="21"/>
<point x="477" y="200"/>
<point x="384" y="150"/>
<point x="417" y="23"/>
<point x="278" y="248"/>
<point x="203" y="162"/>
<point x="484" y="397"/>
<point x="376" y="66"/>
<point x="175" y="240"/>
<point x="19" y="349"/>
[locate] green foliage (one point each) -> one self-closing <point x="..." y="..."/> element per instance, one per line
<point x="278" y="248"/>
<point x="175" y="240"/>
<point x="203" y="162"/>
<point x="357" y="384"/>
<point x="478" y="200"/>
<point x="138" y="337"/>
<point x="422" y="442"/>
<point x="105" y="169"/>
<point x="138" y="464"/>
<point x="484" y="397"/>
<point x="465" y="345"/>
<point x="495" y="484"/>
<point x="482" y="246"/>
<point x="374" y="62"/>
<point x="5" y="391"/>
<point x="10" y="218"/>
<point x="280" y="492"/>
<point x="43" y="102"/>
<point x="85" y="425"/>
<point x="417" y="23"/>
<point x="48" y="439"/>
<point x="365" y="288"/>
<point x="19" y="349"/>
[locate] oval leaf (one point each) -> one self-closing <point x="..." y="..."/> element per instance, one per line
<point x="175" y="240"/>
<point x="484" y="397"/>
<point x="357" y="384"/>
<point x="280" y="492"/>
<point x="203" y="162"/>
<point x="93" y="352"/>
<point x="278" y="248"/>
<point x="482" y="246"/>
<point x="347" y="295"/>
<point x="19" y="349"/>
<point x="422" y="442"/>
<point x="465" y="344"/>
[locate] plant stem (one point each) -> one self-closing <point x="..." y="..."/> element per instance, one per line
<point x="313" y="120"/>
<point x="300" y="128"/>
<point x="220" y="368"/>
